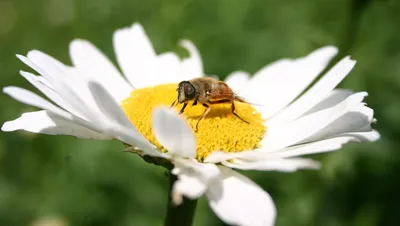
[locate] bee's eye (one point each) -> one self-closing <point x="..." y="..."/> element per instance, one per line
<point x="189" y="90"/>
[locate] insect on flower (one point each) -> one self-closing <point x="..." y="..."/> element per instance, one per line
<point x="207" y="91"/>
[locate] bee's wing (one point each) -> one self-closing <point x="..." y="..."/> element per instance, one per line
<point x="221" y="92"/>
<point x="242" y="100"/>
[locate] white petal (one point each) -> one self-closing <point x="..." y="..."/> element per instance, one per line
<point x="293" y="151"/>
<point x="135" y="139"/>
<point x="220" y="156"/>
<point x="364" y="136"/>
<point x="238" y="80"/>
<point x="141" y="65"/>
<point x="192" y="67"/>
<point x="281" y="82"/>
<point x="349" y="116"/>
<point x="43" y="87"/>
<point x="168" y="65"/>
<point x="71" y="87"/>
<point x="326" y="145"/>
<point x="130" y="137"/>
<point x="238" y="201"/>
<point x="333" y="98"/>
<point x="65" y="83"/>
<point x="316" y="93"/>
<point x="75" y="112"/>
<point x="31" y="64"/>
<point x="193" y="178"/>
<point x="117" y="124"/>
<point x="206" y="171"/>
<point x="356" y="120"/>
<point x="108" y="105"/>
<point x="135" y="55"/>
<point x="188" y="185"/>
<point x="252" y="155"/>
<point x="30" y="98"/>
<point x="55" y="72"/>
<point x="47" y="123"/>
<point x="95" y="66"/>
<point x="284" y="165"/>
<point x="173" y="133"/>
<point x="331" y="144"/>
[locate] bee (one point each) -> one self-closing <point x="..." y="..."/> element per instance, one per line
<point x="206" y="91"/>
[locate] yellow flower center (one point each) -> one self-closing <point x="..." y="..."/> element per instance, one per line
<point x="219" y="130"/>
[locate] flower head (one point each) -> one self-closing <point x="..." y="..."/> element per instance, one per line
<point x="91" y="99"/>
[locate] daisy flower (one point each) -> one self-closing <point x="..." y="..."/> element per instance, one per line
<point x="92" y="99"/>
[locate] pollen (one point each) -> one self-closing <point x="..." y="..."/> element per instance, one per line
<point x="219" y="130"/>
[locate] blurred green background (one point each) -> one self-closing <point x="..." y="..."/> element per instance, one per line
<point x="58" y="180"/>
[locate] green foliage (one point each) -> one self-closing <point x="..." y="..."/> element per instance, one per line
<point x="82" y="182"/>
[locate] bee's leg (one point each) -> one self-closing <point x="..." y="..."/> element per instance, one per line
<point x="183" y="108"/>
<point x="233" y="112"/>
<point x="203" y="115"/>
<point x="173" y="103"/>
<point x="232" y="107"/>
<point x="194" y="103"/>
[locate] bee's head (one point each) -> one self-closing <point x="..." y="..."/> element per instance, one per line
<point x="186" y="91"/>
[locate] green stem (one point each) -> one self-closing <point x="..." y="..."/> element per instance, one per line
<point x="347" y="36"/>
<point x="349" y="33"/>
<point x="182" y="214"/>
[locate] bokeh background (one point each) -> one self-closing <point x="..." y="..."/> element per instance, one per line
<point x="60" y="181"/>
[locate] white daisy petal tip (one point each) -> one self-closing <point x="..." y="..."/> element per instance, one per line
<point x="23" y="58"/>
<point x="373" y="136"/>
<point x="328" y="50"/>
<point x="19" y="56"/>
<point x="350" y="61"/>
<point x="369" y="112"/>
<point x="34" y="53"/>
<point x="78" y="43"/>
<point x="45" y="122"/>
<point x="173" y="132"/>
<point x="6" y="89"/>
<point x="23" y="73"/>
<point x="8" y="127"/>
<point x="135" y="55"/>
<point x="333" y="48"/>
<point x="136" y="30"/>
<point x="192" y="49"/>
<point x="13" y="125"/>
<point x="137" y="26"/>
<point x="343" y="66"/>
<point x="191" y="66"/>
<point x="189" y="45"/>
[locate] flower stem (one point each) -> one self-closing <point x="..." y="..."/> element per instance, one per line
<point x="182" y="214"/>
